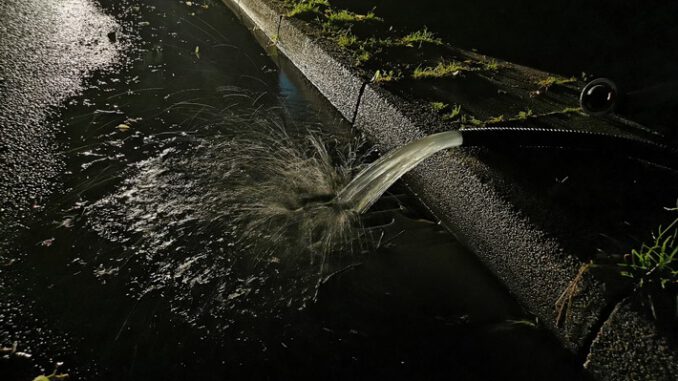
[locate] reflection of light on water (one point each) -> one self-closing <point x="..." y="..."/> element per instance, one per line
<point x="230" y="223"/>
<point x="68" y="36"/>
<point x="47" y="49"/>
<point x="243" y="224"/>
<point x="288" y="91"/>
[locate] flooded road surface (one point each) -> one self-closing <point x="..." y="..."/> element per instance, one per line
<point x="47" y="48"/>
<point x="156" y="162"/>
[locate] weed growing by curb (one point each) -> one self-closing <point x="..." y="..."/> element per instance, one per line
<point x="343" y="17"/>
<point x="524" y="115"/>
<point x="442" y="70"/>
<point x="653" y="269"/>
<point x="347" y="40"/>
<point x="654" y="263"/>
<point x="307" y="7"/>
<point x="454" y="114"/>
<point x="423" y="36"/>
<point x="381" y="76"/>
<point x="548" y="82"/>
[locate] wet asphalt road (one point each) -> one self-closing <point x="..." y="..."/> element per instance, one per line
<point x="47" y="48"/>
<point x="114" y="306"/>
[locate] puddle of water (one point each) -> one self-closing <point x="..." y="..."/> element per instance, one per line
<point x="135" y="267"/>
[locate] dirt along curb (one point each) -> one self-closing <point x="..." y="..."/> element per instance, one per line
<point x="474" y="202"/>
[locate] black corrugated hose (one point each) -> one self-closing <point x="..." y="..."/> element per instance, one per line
<point x="639" y="148"/>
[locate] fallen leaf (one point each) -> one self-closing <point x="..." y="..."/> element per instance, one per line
<point x="123" y="127"/>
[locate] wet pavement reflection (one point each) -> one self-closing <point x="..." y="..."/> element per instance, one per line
<point x="120" y="253"/>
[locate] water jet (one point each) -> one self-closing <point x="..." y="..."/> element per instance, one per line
<point x="374" y="180"/>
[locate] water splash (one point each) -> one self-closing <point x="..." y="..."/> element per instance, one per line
<point x="366" y="188"/>
<point x="240" y="222"/>
<point x="243" y="216"/>
<point x="287" y="188"/>
<point x="235" y="225"/>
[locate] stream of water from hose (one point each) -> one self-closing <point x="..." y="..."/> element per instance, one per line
<point x="366" y="187"/>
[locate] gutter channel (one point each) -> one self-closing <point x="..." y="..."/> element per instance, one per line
<point x="256" y="12"/>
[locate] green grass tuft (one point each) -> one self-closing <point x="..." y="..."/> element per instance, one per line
<point x="549" y="81"/>
<point x="653" y="268"/>
<point x="344" y="16"/>
<point x="381" y="76"/>
<point x="496" y="119"/>
<point x="491" y="65"/>
<point x="454" y="114"/>
<point x="420" y="37"/>
<point x="655" y="263"/>
<point x="307" y="7"/>
<point x="347" y="40"/>
<point x="442" y="70"/>
<point x="524" y="115"/>
<point x="438" y="106"/>
<point x="441" y="108"/>
<point x="470" y="119"/>
<point x="362" y="57"/>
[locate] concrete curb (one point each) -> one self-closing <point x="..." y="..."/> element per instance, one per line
<point x="466" y="195"/>
<point x="536" y="271"/>
<point x="340" y="85"/>
<point x="458" y="188"/>
<point x="629" y="346"/>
